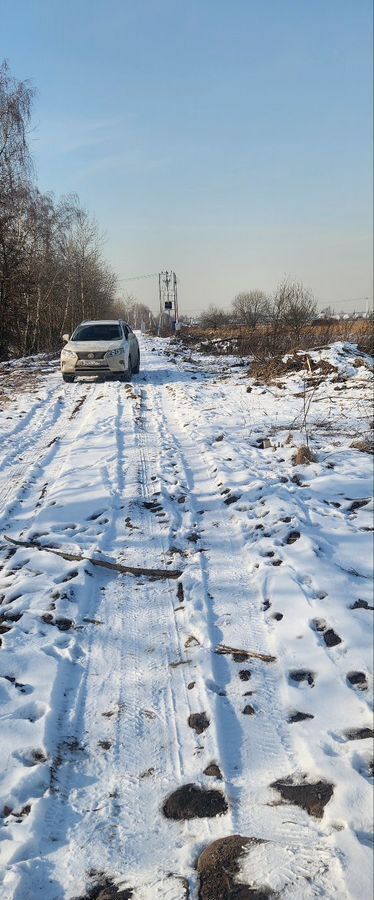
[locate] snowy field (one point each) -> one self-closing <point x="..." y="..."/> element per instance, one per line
<point x="247" y="676"/>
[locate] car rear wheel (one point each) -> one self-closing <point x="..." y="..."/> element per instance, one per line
<point x="68" y="378"/>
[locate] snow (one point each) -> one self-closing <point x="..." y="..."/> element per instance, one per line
<point x="99" y="672"/>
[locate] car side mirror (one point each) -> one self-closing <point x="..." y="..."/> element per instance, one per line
<point x="66" y="338"/>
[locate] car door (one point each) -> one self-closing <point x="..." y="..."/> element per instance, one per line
<point x="133" y="344"/>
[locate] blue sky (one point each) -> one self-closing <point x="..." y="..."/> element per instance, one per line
<point x="230" y="141"/>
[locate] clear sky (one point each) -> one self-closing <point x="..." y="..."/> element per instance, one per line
<point x="229" y="140"/>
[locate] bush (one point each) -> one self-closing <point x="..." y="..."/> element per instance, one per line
<point x="214" y="317"/>
<point x="251" y="307"/>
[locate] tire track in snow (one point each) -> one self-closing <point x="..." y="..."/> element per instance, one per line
<point x="64" y="734"/>
<point x="112" y="819"/>
<point x="18" y="473"/>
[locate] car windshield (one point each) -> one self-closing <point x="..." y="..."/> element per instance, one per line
<point x="107" y="331"/>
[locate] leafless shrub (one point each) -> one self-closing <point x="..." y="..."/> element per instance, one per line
<point x="214" y="317"/>
<point x="251" y="307"/>
<point x="293" y="308"/>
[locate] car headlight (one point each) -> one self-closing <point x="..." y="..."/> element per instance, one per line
<point x="117" y="352"/>
<point x="67" y="354"/>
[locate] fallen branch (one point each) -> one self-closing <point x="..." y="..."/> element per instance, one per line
<point x="102" y="563"/>
<point x="244" y="654"/>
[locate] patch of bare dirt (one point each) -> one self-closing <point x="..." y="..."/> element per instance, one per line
<point x="361" y="604"/>
<point x="300" y="675"/>
<point x="358" y="680"/>
<point x="298" y="716"/>
<point x="244" y="674"/>
<point x="218" y="867"/>
<point x="359" y="734"/>
<point x="213" y="771"/>
<point x="77" y="406"/>
<point x="312" y="797"/>
<point x="106" y="890"/>
<point x="331" y="638"/>
<point x="292" y="537"/>
<point x="199" y="722"/>
<point x="249" y="710"/>
<point x="193" y="802"/>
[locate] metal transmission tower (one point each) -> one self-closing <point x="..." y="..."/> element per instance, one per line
<point x="168" y="296"/>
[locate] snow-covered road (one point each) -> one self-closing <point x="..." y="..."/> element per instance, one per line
<point x="253" y="667"/>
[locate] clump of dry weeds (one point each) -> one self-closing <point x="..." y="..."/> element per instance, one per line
<point x="303" y="456"/>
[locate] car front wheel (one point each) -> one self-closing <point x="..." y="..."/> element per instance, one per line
<point x="128" y="374"/>
<point x="136" y="368"/>
<point x="69" y="378"/>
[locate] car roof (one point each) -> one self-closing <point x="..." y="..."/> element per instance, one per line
<point x="101" y="322"/>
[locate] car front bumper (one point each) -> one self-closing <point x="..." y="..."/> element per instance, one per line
<point x="108" y="366"/>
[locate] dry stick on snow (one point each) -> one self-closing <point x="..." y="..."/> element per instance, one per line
<point x="249" y="654"/>
<point x="102" y="563"/>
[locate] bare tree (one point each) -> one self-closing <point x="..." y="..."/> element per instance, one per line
<point x="15" y="167"/>
<point x="251" y="307"/>
<point x="214" y="317"/>
<point x="292" y="308"/>
<point x="52" y="272"/>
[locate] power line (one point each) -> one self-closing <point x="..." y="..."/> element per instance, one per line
<point x="138" y="277"/>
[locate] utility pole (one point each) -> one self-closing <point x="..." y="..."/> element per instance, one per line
<point x="168" y="300"/>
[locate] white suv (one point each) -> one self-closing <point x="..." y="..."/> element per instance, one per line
<point x="107" y="347"/>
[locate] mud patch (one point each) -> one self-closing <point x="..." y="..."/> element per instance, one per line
<point x="218" y="867"/>
<point x="199" y="722"/>
<point x="231" y="498"/>
<point x="249" y="710"/>
<point x="245" y="674"/>
<point x="361" y="604"/>
<point x="311" y="797"/>
<point x="106" y="890"/>
<point x="292" y="537"/>
<point x="64" y="624"/>
<point x="77" y="407"/>
<point x="193" y="802"/>
<point x="300" y="675"/>
<point x="359" y="734"/>
<point x="152" y="505"/>
<point x="213" y="771"/>
<point x="357" y="504"/>
<point x="331" y="638"/>
<point x="358" y="680"/>
<point x="298" y="716"/>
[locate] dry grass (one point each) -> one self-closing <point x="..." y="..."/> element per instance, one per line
<point x="365" y="445"/>
<point x="263" y="342"/>
<point x="274" y="367"/>
<point x="303" y="456"/>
